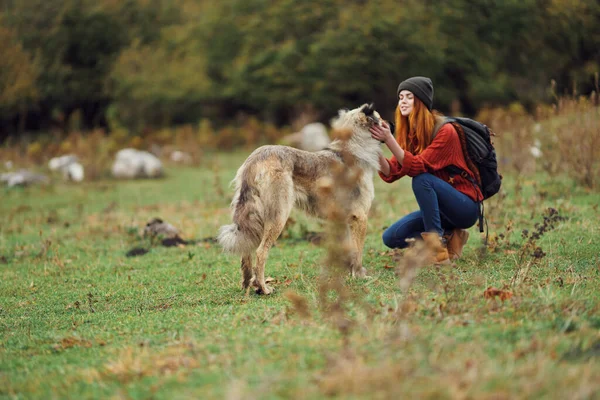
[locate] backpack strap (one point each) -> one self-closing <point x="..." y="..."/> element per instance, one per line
<point x="454" y="170"/>
<point x="462" y="137"/>
<point x="438" y="125"/>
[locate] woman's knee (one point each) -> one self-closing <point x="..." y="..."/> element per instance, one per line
<point x="395" y="236"/>
<point x="422" y="180"/>
<point x="388" y="238"/>
<point x="394" y="241"/>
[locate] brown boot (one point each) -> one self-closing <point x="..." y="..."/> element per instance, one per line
<point x="435" y="244"/>
<point x="455" y="243"/>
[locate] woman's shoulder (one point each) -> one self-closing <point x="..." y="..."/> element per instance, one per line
<point x="444" y="129"/>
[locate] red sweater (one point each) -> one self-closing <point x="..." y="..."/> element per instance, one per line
<point x="444" y="150"/>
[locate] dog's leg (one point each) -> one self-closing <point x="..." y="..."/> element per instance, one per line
<point x="246" y="270"/>
<point x="278" y="200"/>
<point x="262" y="253"/>
<point x="358" y="233"/>
<point x="272" y="231"/>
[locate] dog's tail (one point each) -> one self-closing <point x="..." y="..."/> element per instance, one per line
<point x="245" y="234"/>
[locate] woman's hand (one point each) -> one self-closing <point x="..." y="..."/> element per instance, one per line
<point x="382" y="133"/>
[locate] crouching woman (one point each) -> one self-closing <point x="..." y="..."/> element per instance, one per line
<point x="448" y="203"/>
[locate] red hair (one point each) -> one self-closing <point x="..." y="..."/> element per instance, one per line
<point x="414" y="133"/>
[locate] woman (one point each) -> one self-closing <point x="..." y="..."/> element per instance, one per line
<point x="448" y="203"/>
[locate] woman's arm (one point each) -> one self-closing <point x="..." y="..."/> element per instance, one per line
<point x="384" y="165"/>
<point x="444" y="150"/>
<point x="383" y="134"/>
<point x="395" y="148"/>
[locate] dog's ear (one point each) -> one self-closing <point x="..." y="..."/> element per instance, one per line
<point x="368" y="109"/>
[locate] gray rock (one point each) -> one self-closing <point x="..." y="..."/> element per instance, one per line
<point x="132" y="163"/>
<point x="312" y="137"/>
<point x="181" y="157"/>
<point x="157" y="227"/>
<point x="70" y="167"/>
<point x="22" y="177"/>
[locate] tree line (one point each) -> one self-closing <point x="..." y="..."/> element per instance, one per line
<point x="143" y="64"/>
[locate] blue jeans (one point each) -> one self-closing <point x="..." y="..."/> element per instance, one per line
<point x="442" y="208"/>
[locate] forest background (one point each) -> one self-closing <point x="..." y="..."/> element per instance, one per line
<point x="144" y="65"/>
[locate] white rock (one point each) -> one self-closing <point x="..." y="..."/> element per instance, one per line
<point x="71" y="169"/>
<point x="313" y="137"/>
<point x="132" y="163"/>
<point x="535" y="152"/>
<point x="58" y="163"/>
<point x="74" y="172"/>
<point x="181" y="157"/>
<point x="22" y="178"/>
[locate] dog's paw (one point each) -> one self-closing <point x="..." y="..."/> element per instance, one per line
<point x="266" y="290"/>
<point x="360" y="273"/>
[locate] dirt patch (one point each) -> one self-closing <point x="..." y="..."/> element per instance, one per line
<point x="136" y="252"/>
<point x="70" y="342"/>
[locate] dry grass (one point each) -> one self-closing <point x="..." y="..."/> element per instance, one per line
<point x="516" y="320"/>
<point x="563" y="138"/>
<point x="96" y="149"/>
<point x="134" y="364"/>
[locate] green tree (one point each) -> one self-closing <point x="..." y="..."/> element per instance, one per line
<point x="162" y="62"/>
<point x="18" y="74"/>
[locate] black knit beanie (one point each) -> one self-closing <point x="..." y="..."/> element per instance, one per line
<point x="421" y="87"/>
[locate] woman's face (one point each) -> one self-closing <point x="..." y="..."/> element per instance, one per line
<point x="406" y="101"/>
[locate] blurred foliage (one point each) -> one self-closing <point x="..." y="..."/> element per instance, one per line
<point x="148" y="64"/>
<point x="18" y="75"/>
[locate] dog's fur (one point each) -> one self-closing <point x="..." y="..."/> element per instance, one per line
<point x="275" y="178"/>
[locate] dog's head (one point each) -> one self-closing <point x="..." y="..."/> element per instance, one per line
<point x="372" y="116"/>
<point x="358" y="120"/>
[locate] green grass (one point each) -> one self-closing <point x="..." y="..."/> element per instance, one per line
<point x="78" y="319"/>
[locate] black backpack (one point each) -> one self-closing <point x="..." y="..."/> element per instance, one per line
<point x="480" y="151"/>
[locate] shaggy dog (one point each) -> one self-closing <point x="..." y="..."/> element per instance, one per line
<point x="275" y="178"/>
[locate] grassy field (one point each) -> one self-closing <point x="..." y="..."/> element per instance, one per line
<point x="79" y="319"/>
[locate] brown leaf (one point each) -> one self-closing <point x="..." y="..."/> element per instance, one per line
<point x="492" y="292"/>
<point x="299" y="303"/>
